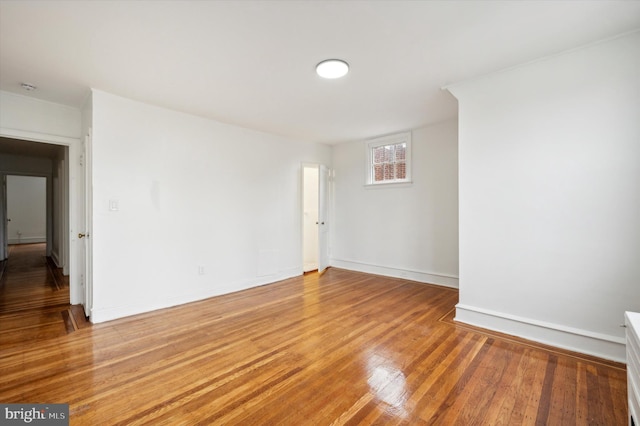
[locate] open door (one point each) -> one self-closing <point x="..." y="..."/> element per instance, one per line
<point x="310" y="224"/>
<point x="323" y="223"/>
<point x="4" y="220"/>
<point x="84" y="236"/>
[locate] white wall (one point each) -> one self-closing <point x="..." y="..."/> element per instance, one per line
<point x="550" y="198"/>
<point x="404" y="231"/>
<point x="192" y="195"/>
<point x="26" y="207"/>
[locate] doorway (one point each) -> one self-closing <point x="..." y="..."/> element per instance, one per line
<point x="23" y="159"/>
<point x="310" y="176"/>
<point x="315" y="222"/>
<point x="26" y="209"/>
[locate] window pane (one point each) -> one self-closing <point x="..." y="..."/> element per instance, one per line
<point x="389" y="171"/>
<point x="378" y="154"/>
<point x="401" y="170"/>
<point x="378" y="172"/>
<point x="388" y="153"/>
<point x="401" y="150"/>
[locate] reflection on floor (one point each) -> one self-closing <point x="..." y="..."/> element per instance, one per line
<point x="338" y="348"/>
<point x="34" y="298"/>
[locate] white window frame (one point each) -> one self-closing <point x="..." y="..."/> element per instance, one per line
<point x="388" y="140"/>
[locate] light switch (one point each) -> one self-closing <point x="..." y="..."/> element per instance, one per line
<point x="113" y="205"/>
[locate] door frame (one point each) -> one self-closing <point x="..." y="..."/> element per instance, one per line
<point x="324" y="220"/>
<point x="324" y="191"/>
<point x="316" y="168"/>
<point x="4" y="220"/>
<point x="76" y="199"/>
<point x="87" y="221"/>
<point x="48" y="178"/>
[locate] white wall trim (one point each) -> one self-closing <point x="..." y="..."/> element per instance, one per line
<point x="27" y="240"/>
<point x="117" y="312"/>
<point x="570" y="338"/>
<point x="56" y="258"/>
<point x="388" y="271"/>
<point x="37" y="137"/>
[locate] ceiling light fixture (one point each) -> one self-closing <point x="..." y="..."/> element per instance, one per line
<point x="332" y="68"/>
<point x="28" y="86"/>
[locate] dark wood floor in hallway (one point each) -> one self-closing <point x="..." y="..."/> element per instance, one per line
<point x="341" y="348"/>
<point x="34" y="298"/>
<point x="28" y="283"/>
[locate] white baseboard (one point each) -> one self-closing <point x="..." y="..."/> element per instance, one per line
<point x="423" y="277"/>
<point x="99" y="315"/>
<point x="27" y="240"/>
<point x="573" y="339"/>
<point x="56" y="258"/>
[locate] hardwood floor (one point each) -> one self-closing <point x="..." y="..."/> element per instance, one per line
<point x="28" y="282"/>
<point x="34" y="298"/>
<point x="341" y="348"/>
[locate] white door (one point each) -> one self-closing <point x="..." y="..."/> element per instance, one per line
<point x="4" y="225"/>
<point x="310" y="224"/>
<point x="323" y="223"/>
<point x="84" y="235"/>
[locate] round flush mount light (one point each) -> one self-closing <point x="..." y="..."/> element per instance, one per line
<point x="28" y="86"/>
<point x="332" y="68"/>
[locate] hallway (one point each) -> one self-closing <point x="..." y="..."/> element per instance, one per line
<point x="34" y="298"/>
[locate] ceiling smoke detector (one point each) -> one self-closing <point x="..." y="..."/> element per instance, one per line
<point x="28" y="86"/>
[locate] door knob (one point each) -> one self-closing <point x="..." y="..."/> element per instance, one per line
<point x="82" y="235"/>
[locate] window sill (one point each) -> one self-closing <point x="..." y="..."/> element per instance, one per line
<point x="404" y="184"/>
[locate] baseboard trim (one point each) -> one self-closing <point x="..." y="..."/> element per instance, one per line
<point x="56" y="259"/>
<point x="573" y="339"/>
<point x="420" y="276"/>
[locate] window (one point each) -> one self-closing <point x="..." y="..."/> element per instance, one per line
<point x="389" y="159"/>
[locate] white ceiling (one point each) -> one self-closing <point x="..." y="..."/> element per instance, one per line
<point x="251" y="63"/>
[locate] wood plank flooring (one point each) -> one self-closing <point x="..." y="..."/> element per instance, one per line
<point x="27" y="281"/>
<point x="34" y="298"/>
<point x="341" y="348"/>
